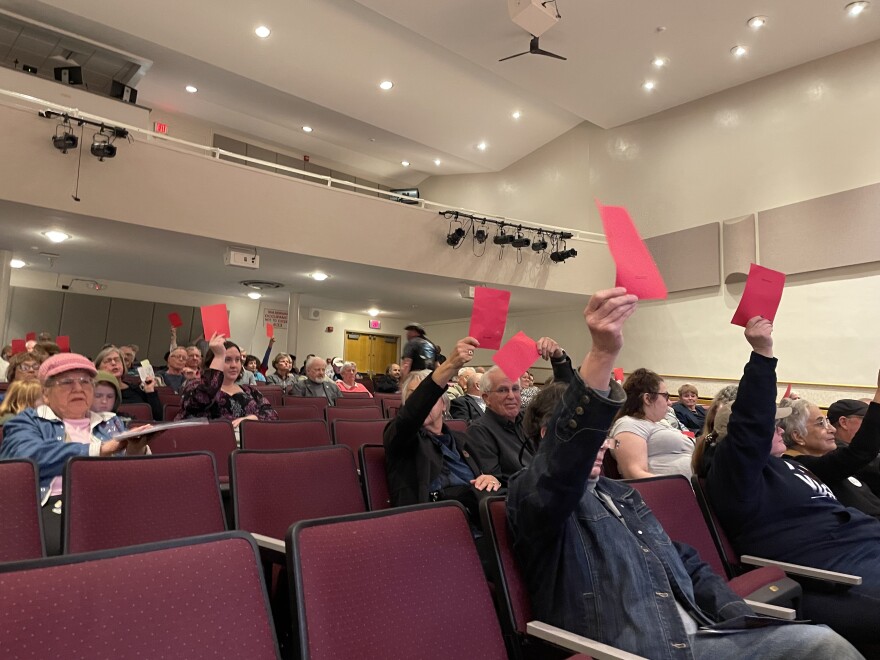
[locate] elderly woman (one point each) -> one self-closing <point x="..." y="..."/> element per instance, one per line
<point x="809" y="438"/>
<point x="217" y="394"/>
<point x="23" y="366"/>
<point x="110" y="360"/>
<point x="20" y="396"/>
<point x="426" y="460"/>
<point x="691" y="414"/>
<point x="107" y="393"/>
<point x="283" y="376"/>
<point x="528" y="391"/>
<point x="61" y="428"/>
<point x="645" y="447"/>
<point x="349" y="379"/>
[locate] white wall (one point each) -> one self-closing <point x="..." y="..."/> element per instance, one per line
<point x="314" y="338"/>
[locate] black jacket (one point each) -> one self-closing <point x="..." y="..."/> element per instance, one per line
<point x="466" y="408"/>
<point x="386" y="384"/>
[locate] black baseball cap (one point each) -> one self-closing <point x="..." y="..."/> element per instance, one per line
<point x="846" y="408"/>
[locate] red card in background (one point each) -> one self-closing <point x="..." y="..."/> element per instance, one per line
<point x="489" y="316"/>
<point x="31" y="336"/>
<point x="18" y="346"/>
<point x="636" y="270"/>
<point x="517" y="355"/>
<point x="63" y="342"/>
<point x="761" y="296"/>
<point x="787" y="392"/>
<point x="215" y="320"/>
<point x="270" y="330"/>
<point x="618" y="373"/>
<point x="175" y="320"/>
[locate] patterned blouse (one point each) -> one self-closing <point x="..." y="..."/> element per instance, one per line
<point x="204" y="398"/>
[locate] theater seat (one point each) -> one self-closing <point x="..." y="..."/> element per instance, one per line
<point x="21" y="528"/>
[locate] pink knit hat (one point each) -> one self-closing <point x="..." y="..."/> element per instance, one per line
<point x="58" y="364"/>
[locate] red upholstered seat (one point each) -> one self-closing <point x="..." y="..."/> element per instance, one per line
<point x="355" y="412"/>
<point x="139" y="411"/>
<point x="320" y="402"/>
<point x="357" y="395"/>
<point x="192" y="598"/>
<point x="114" y="502"/>
<point x="374" y="477"/>
<point x="348" y="401"/>
<point x="216" y="437"/>
<point x="456" y="424"/>
<point x="295" y="434"/>
<point x="390" y="408"/>
<point x="170" y="410"/>
<point x="21" y="531"/>
<point x="290" y="413"/>
<point x="272" y="394"/>
<point x="354" y="433"/>
<point x="271" y="490"/>
<point x="405" y="583"/>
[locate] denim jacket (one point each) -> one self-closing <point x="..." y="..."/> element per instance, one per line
<point x="615" y="580"/>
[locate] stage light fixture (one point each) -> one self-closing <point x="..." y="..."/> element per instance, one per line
<point x="559" y="257"/>
<point x="480" y="236"/>
<point x="64" y="139"/>
<point x="102" y="145"/>
<point x="540" y="243"/>
<point x="520" y="241"/>
<point x="455" y="237"/>
<point x="502" y="238"/>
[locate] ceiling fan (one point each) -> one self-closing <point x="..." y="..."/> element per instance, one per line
<point x="534" y="49"/>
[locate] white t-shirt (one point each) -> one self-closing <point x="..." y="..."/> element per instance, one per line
<point x="669" y="451"/>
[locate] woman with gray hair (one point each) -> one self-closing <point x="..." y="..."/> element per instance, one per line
<point x="349" y="380"/>
<point x="809" y="438"/>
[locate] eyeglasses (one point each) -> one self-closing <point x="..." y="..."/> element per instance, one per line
<point x="504" y="391"/>
<point x="67" y="384"/>
<point x="112" y="359"/>
<point x="822" y="423"/>
<point x="28" y="367"/>
<point x="665" y="395"/>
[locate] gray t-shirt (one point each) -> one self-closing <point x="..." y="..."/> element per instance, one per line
<point x="669" y="451"/>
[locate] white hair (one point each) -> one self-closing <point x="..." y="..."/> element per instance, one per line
<point x="314" y="359"/>
<point x="486" y="379"/>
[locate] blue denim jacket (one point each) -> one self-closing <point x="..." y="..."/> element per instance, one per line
<point x="587" y="571"/>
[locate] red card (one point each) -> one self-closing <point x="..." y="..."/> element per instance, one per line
<point x="517" y="355"/>
<point x="18" y="346"/>
<point x="761" y="296"/>
<point x="31" y="336"/>
<point x="63" y="342"/>
<point x="787" y="392"/>
<point x="618" y="374"/>
<point x="175" y="320"/>
<point x="270" y="330"/>
<point x="636" y="270"/>
<point x="215" y="320"/>
<point x="489" y="316"/>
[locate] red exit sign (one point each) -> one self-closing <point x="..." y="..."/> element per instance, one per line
<point x="375" y="324"/>
<point x="159" y="127"/>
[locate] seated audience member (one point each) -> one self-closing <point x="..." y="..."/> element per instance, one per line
<point x="333" y="369"/>
<point x="194" y="358"/>
<point x="23" y="366"/>
<point x="246" y="377"/>
<point x="45" y="349"/>
<point x="528" y="390"/>
<point x="61" y="428"/>
<point x="172" y="375"/>
<point x="809" y="437"/>
<point x="110" y="360"/>
<point x="315" y="385"/>
<point x="252" y="365"/>
<point x="846" y="417"/>
<point x="302" y="371"/>
<point x="691" y="414"/>
<point x="643" y="446"/>
<point x="127" y="353"/>
<point x="595" y="559"/>
<point x="6" y="352"/>
<point x="4" y="365"/>
<point x="283" y="376"/>
<point x="705" y="443"/>
<point x="470" y="405"/>
<point x="427" y="461"/>
<point x="775" y="508"/>
<point x="218" y="395"/>
<point x="349" y="383"/>
<point x="21" y="395"/>
<point x="497" y="438"/>
<point x="107" y="393"/>
<point x="456" y="386"/>
<point x="389" y="383"/>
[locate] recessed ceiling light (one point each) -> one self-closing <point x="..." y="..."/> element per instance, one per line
<point x="437" y="162"/>
<point x="307" y="129"/>
<point x="56" y="236"/>
<point x="253" y="295"/>
<point x="373" y="311"/>
<point x="405" y="163"/>
<point x="192" y="89"/>
<point x="516" y="114"/>
<point x="319" y="276"/>
<point x="17" y="263"/>
<point x="648" y="85"/>
<point x="482" y="146"/>
<point x="262" y="32"/>
<point x="738" y="51"/>
<point x="856" y="8"/>
<point x="757" y="22"/>
<point x="659" y="62"/>
<point x="386" y="85"/>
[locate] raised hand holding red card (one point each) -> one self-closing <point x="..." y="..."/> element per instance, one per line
<point x="175" y="320"/>
<point x="517" y="355"/>
<point x="215" y="320"/>
<point x="270" y="330"/>
<point x="761" y="296"/>
<point x="636" y="270"/>
<point x="489" y="316"/>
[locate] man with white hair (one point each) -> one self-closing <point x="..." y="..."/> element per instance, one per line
<point x="470" y="405"/>
<point x="315" y="385"/>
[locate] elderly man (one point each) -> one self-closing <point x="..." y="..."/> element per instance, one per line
<point x="846" y="417"/>
<point x="470" y="405"/>
<point x="457" y="386"/>
<point x="315" y="385"/>
<point x="172" y="376"/>
<point x="419" y="352"/>
<point x="128" y="354"/>
<point x="497" y="438"/>
<point x="390" y="382"/>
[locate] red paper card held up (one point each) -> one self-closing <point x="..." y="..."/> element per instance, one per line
<point x="270" y="330"/>
<point x="636" y="270"/>
<point x="175" y="320"/>
<point x="618" y="373"/>
<point x="215" y="320"/>
<point x="489" y="316"/>
<point x="63" y="342"/>
<point x="18" y="346"/>
<point x="787" y="392"/>
<point x="31" y="336"/>
<point x="517" y="355"/>
<point x="761" y="296"/>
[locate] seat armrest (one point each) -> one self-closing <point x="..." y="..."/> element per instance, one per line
<point x="772" y="610"/>
<point x="576" y="643"/>
<point x="804" y="571"/>
<point x="269" y="543"/>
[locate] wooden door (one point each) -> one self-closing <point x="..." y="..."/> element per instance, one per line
<point x="372" y="353"/>
<point x="385" y="351"/>
<point x="357" y="349"/>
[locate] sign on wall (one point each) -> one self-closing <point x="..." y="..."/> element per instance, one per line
<point x="277" y="317"/>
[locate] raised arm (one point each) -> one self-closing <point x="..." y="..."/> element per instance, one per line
<point x="198" y="395"/>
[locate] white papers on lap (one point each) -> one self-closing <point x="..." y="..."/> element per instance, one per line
<point x="159" y="427"/>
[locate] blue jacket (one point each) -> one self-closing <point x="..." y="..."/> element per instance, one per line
<point x="39" y="434"/>
<point x="590" y="573"/>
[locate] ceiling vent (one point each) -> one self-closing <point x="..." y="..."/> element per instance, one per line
<point x="261" y="285"/>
